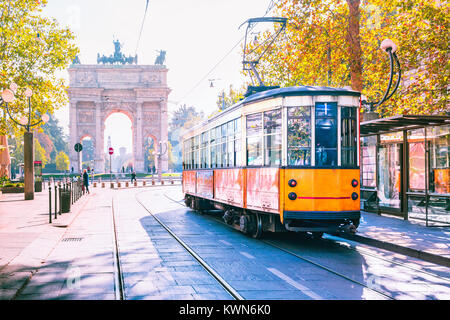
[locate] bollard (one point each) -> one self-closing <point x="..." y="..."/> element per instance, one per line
<point x="56" y="202"/>
<point x="118" y="184"/>
<point x="112" y="185"/>
<point x="103" y="184"/>
<point x="135" y="183"/>
<point x="143" y="183"/>
<point x="95" y="184"/>
<point x="162" y="182"/>
<point x="49" y="205"/>
<point x="126" y="184"/>
<point x="153" y="182"/>
<point x="59" y="195"/>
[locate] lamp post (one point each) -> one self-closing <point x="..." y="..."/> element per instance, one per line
<point x="7" y="96"/>
<point x="160" y="153"/>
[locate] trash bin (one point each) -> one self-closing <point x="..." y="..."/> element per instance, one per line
<point x="37" y="186"/>
<point x="65" y="201"/>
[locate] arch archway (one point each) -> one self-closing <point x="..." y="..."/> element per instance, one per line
<point x="98" y="91"/>
<point x="118" y="130"/>
<point x="87" y="155"/>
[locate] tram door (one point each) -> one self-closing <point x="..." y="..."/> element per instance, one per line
<point x="390" y="176"/>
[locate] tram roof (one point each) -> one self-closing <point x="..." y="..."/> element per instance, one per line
<point x="301" y="91"/>
<point x="287" y="91"/>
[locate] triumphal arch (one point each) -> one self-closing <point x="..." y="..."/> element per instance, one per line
<point x="118" y="85"/>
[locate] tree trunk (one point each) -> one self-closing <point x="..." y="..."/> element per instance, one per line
<point x="354" y="45"/>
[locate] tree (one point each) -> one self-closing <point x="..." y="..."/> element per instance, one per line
<point x="182" y="119"/>
<point x="226" y="100"/>
<point x="32" y="49"/>
<point x="45" y="142"/>
<point x="62" y="161"/>
<point x="336" y="43"/>
<point x="56" y="134"/>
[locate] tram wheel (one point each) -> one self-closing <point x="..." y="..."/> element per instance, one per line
<point x="256" y="226"/>
<point x="187" y="202"/>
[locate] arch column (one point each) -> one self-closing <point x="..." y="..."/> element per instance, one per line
<point x="74" y="138"/>
<point x="164" y="134"/>
<point x="138" y="153"/>
<point x="99" y="159"/>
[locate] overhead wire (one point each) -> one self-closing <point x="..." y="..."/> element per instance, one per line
<point x="272" y="5"/>
<point x="142" y="27"/>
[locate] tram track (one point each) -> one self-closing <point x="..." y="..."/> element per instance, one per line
<point x="225" y="285"/>
<point x="341" y="243"/>
<point x="119" y="289"/>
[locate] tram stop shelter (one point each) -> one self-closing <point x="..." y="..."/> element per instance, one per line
<point x="405" y="167"/>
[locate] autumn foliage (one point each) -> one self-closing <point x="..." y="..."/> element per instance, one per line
<point x="323" y="46"/>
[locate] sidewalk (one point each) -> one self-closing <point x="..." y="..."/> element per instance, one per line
<point x="27" y="238"/>
<point x="410" y="238"/>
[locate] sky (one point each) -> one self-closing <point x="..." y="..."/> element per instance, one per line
<point x="196" y="34"/>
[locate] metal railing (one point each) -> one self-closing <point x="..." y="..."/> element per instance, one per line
<point x="63" y="194"/>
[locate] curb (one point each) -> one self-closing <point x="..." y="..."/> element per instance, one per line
<point x="70" y="216"/>
<point x="422" y="255"/>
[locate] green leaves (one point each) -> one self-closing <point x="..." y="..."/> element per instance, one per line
<point x="32" y="50"/>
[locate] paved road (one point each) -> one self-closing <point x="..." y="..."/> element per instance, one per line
<point x="155" y="266"/>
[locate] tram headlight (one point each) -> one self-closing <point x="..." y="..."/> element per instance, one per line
<point x="292" y="196"/>
<point x="292" y="183"/>
<point x="354" y="196"/>
<point x="354" y="183"/>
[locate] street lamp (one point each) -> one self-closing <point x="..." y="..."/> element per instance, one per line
<point x="8" y="96"/>
<point x="160" y="153"/>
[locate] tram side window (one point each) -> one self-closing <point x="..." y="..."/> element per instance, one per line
<point x="272" y="137"/>
<point x="230" y="144"/>
<point x="204" y="150"/>
<point x="299" y="136"/>
<point x="237" y="142"/>
<point x="254" y="140"/>
<point x="326" y="134"/>
<point x="223" y="150"/>
<point x="213" y="142"/>
<point x="184" y="154"/>
<point x="196" y="152"/>
<point x="192" y="154"/>
<point x="348" y="137"/>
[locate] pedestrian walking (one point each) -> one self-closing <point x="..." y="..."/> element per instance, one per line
<point x="86" y="180"/>
<point x="133" y="176"/>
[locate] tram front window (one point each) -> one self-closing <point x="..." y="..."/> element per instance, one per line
<point x="299" y="136"/>
<point x="326" y="134"/>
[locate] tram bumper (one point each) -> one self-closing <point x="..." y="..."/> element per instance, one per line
<point x="324" y="221"/>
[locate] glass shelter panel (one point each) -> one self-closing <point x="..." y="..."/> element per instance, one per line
<point x="369" y="161"/>
<point x="416" y="165"/>
<point x="439" y="145"/>
<point x="389" y="170"/>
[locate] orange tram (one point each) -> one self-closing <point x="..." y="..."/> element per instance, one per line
<point x="281" y="159"/>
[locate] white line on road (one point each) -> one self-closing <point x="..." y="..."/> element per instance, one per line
<point x="295" y="284"/>
<point x="225" y="243"/>
<point x="248" y="255"/>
